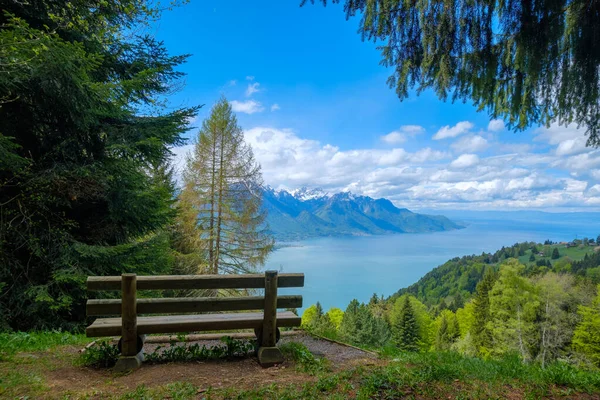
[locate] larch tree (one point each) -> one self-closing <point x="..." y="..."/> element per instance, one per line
<point x="222" y="184"/>
<point x="528" y="62"/>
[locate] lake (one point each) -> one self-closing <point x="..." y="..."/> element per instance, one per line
<point x="339" y="269"/>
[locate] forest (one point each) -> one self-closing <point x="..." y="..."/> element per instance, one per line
<point x="526" y="300"/>
<point x="87" y="186"/>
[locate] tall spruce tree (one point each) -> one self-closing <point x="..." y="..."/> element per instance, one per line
<point x="481" y="334"/>
<point x="222" y="184"/>
<point x="83" y="138"/>
<point x="529" y="62"/>
<point x="406" y="329"/>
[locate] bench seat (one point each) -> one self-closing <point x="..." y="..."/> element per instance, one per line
<point x="190" y="323"/>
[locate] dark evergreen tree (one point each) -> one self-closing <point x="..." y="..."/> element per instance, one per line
<point x="482" y="338"/>
<point x="457" y="302"/>
<point x="528" y="62"/>
<point x="532" y="257"/>
<point x="555" y="254"/>
<point x="319" y="309"/>
<point x="443" y="340"/>
<point x="360" y="327"/>
<point x="83" y="136"/>
<point x="406" y="329"/>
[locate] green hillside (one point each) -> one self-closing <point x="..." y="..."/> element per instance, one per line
<point x="461" y="274"/>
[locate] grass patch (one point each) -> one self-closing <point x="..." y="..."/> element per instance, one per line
<point x="304" y="359"/>
<point x="12" y="343"/>
<point x="174" y="391"/>
<point x="13" y="382"/>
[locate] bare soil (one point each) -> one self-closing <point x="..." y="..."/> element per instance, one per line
<point x="61" y="378"/>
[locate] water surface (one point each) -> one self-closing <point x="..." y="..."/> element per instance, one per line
<point x="339" y="269"/>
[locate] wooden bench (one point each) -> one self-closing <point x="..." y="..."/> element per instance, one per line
<point x="132" y="328"/>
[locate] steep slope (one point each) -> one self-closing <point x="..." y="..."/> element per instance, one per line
<point x="307" y="213"/>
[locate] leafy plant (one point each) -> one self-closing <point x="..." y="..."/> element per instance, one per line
<point x="102" y="355"/>
<point x="194" y="352"/>
<point x="304" y="359"/>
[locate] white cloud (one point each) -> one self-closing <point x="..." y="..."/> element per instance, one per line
<point x="496" y="125"/>
<point x="275" y="107"/>
<point x="402" y="134"/>
<point x="252" y="88"/>
<point x="454" y="131"/>
<point x="232" y="82"/>
<point x="572" y="146"/>
<point x="430" y="177"/>
<point x="465" y="161"/>
<point x="249" y="77"/>
<point x="248" y="107"/>
<point x="470" y="144"/>
<point x="394" y="137"/>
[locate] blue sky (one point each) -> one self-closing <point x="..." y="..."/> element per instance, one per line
<point x="314" y="104"/>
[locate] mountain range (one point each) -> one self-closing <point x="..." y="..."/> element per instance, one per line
<point x="305" y="212"/>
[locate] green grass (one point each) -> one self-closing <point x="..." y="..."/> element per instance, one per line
<point x="574" y="253"/>
<point x="12" y="343"/>
<point x="436" y="375"/>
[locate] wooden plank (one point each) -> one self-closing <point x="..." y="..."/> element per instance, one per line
<point x="173" y="282"/>
<point x="190" y="323"/>
<point x="129" y="314"/>
<point x="269" y="328"/>
<point x="181" y="305"/>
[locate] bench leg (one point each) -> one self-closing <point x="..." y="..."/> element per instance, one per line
<point x="128" y="363"/>
<point x="269" y="356"/>
<point x="268" y="353"/>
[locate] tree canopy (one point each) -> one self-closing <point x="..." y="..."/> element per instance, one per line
<point x="84" y="144"/>
<point x="528" y="62"/>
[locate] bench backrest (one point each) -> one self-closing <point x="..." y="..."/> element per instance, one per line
<point x="128" y="284"/>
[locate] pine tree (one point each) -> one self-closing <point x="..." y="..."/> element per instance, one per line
<point x="222" y="183"/>
<point x="482" y="338"/>
<point x="532" y="257"/>
<point x="555" y="254"/>
<point x="406" y="330"/>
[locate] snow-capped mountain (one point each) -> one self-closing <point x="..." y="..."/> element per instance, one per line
<point x="306" y="212"/>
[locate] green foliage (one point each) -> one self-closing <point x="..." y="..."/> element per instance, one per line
<point x="304" y="359"/>
<point x="102" y="355"/>
<point x="482" y="337"/>
<point x="527" y="62"/>
<point x="84" y="141"/>
<point x="555" y="254"/>
<point x="405" y="326"/>
<point x="335" y="316"/>
<point x="194" y="352"/>
<point x="360" y="327"/>
<point x="586" y="337"/>
<point x="513" y="306"/>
